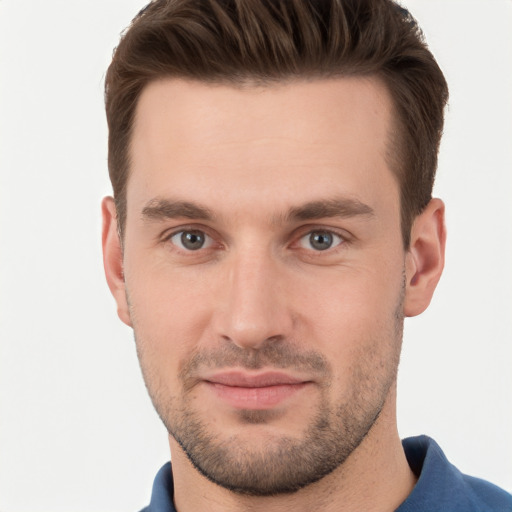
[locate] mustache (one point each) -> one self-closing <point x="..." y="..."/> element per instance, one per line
<point x="271" y="354"/>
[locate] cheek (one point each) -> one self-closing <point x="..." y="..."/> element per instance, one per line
<point x="169" y="314"/>
<point x="353" y="300"/>
<point x="356" y="320"/>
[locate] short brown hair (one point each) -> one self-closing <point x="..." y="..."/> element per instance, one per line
<point x="266" y="41"/>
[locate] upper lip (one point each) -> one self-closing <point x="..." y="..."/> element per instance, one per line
<point x="248" y="380"/>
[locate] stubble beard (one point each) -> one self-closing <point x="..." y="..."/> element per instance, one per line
<point x="285" y="464"/>
<point x="280" y="465"/>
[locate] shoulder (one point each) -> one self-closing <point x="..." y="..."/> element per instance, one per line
<point x="489" y="494"/>
<point x="441" y="486"/>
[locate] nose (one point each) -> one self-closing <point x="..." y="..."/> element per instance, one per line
<point x="254" y="308"/>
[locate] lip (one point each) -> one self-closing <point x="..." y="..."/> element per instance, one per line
<point x="248" y="380"/>
<point x="254" y="391"/>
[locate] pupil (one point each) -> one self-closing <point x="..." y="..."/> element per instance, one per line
<point x="321" y="240"/>
<point x="192" y="240"/>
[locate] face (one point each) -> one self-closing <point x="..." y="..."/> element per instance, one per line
<point x="264" y="273"/>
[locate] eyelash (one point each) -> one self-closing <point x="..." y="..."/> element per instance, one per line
<point x="168" y="236"/>
<point x="343" y="239"/>
<point x="196" y="232"/>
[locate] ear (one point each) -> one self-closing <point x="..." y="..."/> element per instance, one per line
<point x="113" y="259"/>
<point x="424" y="261"/>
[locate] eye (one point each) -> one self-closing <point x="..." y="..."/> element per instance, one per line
<point x="320" y="240"/>
<point x="191" y="240"/>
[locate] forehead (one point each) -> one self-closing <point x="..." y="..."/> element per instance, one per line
<point x="301" y="138"/>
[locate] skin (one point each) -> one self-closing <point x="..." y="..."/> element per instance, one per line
<point x="255" y="163"/>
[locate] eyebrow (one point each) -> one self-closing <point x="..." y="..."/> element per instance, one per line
<point x="161" y="209"/>
<point x="336" y="207"/>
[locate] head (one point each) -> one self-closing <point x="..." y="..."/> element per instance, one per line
<point x="272" y="166"/>
<point x="260" y="43"/>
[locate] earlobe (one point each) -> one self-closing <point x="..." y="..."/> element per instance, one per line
<point x="113" y="259"/>
<point x="424" y="258"/>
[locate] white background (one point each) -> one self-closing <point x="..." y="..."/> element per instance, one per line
<point x="77" y="431"/>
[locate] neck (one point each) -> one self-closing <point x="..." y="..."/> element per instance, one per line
<point x="375" y="477"/>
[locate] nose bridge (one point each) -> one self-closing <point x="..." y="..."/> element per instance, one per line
<point x="257" y="309"/>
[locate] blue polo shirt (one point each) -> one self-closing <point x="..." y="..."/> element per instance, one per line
<point x="441" y="487"/>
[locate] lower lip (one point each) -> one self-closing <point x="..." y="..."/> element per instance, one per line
<point x="256" y="398"/>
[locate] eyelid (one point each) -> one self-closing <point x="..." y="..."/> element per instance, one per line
<point x="208" y="240"/>
<point x="310" y="228"/>
<point x="168" y="234"/>
<point x="346" y="239"/>
<point x="299" y="233"/>
<point x="336" y="243"/>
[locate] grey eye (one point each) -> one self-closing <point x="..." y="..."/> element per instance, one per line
<point x="191" y="240"/>
<point x="320" y="240"/>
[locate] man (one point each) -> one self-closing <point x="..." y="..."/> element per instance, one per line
<point x="272" y="225"/>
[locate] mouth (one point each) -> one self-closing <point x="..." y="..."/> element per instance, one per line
<point x="244" y="390"/>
